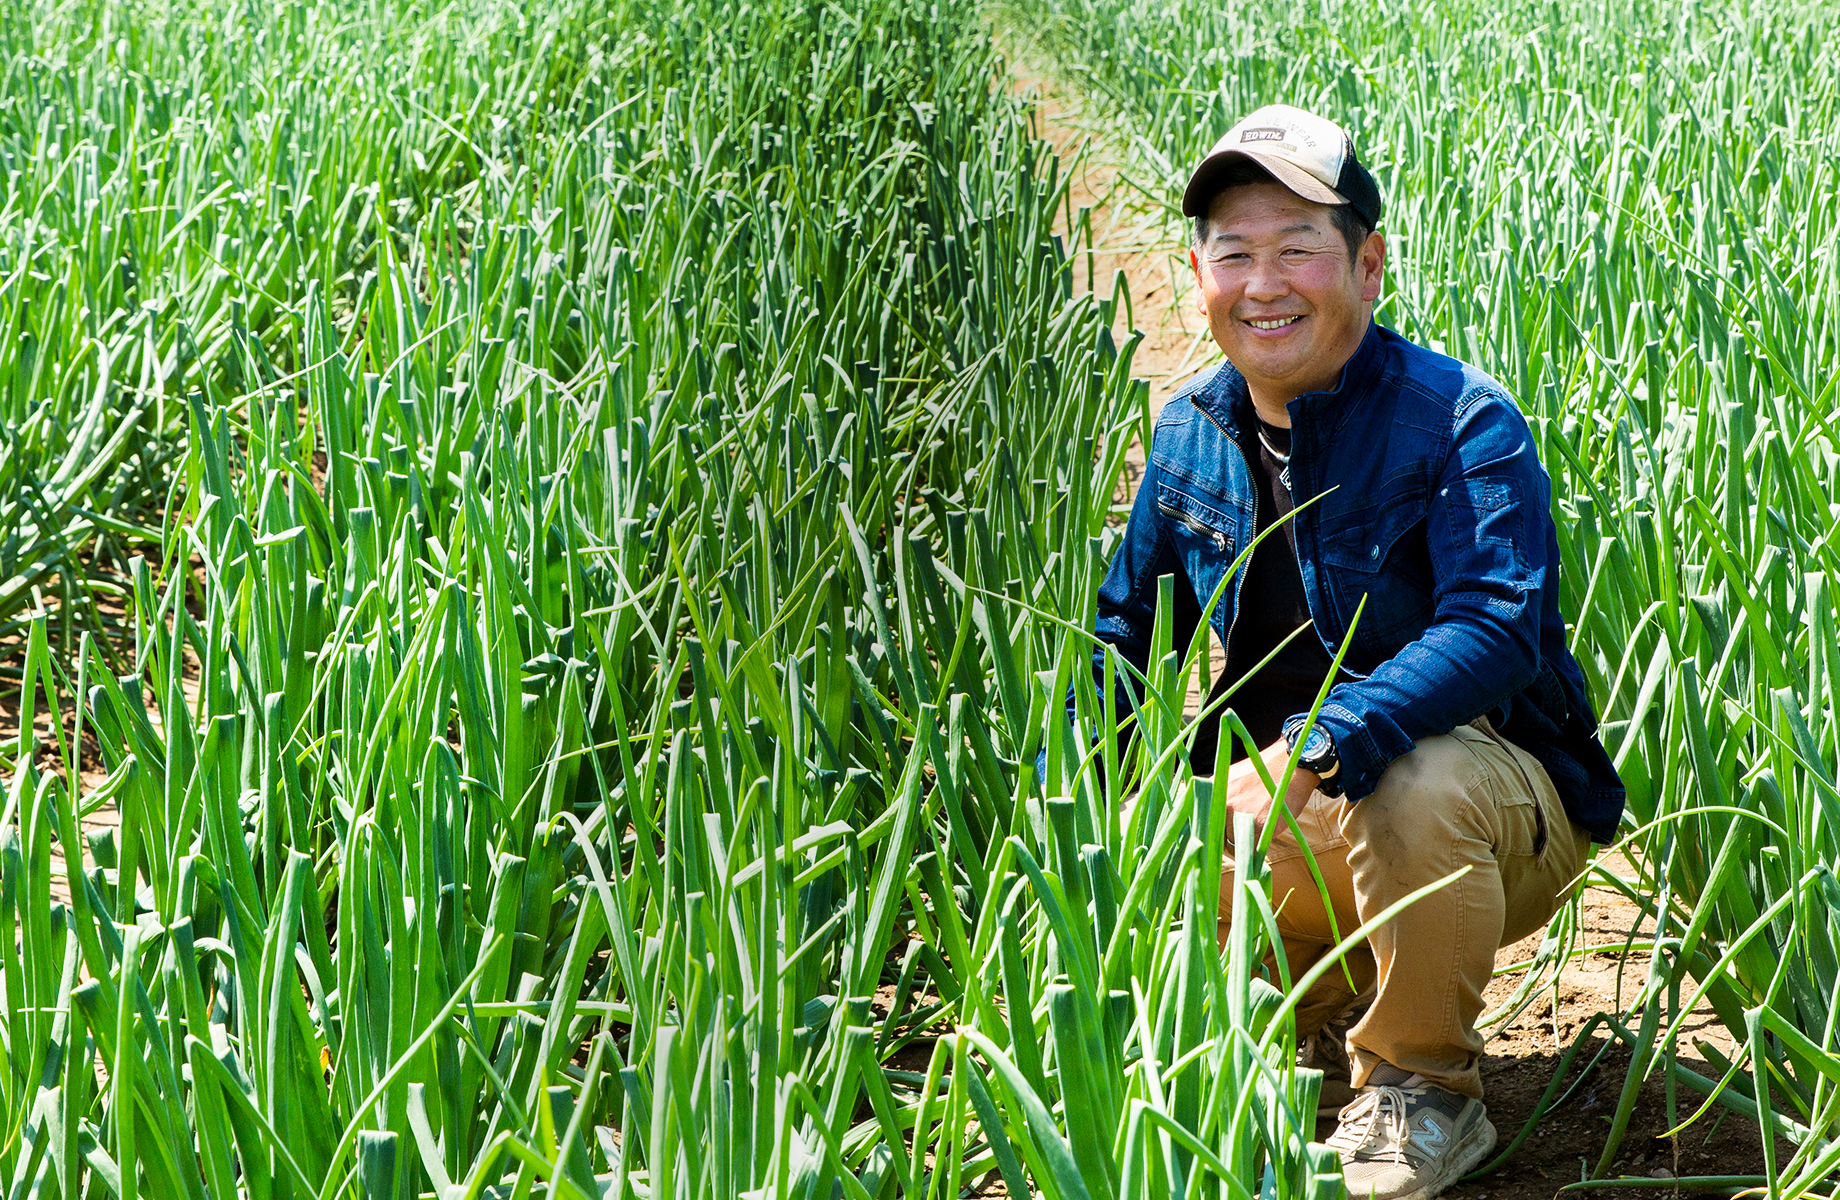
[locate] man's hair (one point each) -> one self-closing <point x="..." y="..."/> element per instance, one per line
<point x="1348" y="223"/>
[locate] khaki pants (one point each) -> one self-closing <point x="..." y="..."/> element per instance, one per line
<point x="1466" y="799"/>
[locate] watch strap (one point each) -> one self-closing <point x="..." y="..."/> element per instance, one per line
<point x="1327" y="767"/>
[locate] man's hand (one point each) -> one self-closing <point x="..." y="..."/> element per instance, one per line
<point x="1246" y="792"/>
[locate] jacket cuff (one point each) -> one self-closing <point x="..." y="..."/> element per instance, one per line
<point x="1364" y="757"/>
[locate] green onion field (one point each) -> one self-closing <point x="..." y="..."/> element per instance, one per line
<point x="540" y="542"/>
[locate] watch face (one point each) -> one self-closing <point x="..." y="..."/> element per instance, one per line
<point x="1316" y="746"/>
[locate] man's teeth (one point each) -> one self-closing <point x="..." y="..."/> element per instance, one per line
<point x="1280" y="323"/>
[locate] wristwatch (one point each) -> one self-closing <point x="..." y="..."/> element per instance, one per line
<point x="1318" y="754"/>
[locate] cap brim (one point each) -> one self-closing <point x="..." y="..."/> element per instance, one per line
<point x="1203" y="184"/>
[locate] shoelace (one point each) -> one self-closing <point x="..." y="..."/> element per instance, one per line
<point x="1376" y="1105"/>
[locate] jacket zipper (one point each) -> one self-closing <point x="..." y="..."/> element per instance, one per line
<point x="1226" y="644"/>
<point x="1207" y="531"/>
<point x="1239" y="584"/>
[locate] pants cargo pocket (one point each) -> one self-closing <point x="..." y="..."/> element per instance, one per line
<point x="1524" y="824"/>
<point x="1522" y="828"/>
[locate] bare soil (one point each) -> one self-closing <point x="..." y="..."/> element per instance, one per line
<point x="111" y="621"/>
<point x="49" y="762"/>
<point x="1524" y="1054"/>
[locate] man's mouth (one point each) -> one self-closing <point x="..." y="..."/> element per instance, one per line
<point x="1275" y="322"/>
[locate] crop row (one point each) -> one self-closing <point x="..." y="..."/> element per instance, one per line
<point x="638" y="482"/>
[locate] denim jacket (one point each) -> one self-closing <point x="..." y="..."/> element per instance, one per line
<point x="1436" y="511"/>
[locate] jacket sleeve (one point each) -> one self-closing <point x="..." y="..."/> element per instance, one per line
<point x="1127" y="599"/>
<point x="1486" y="530"/>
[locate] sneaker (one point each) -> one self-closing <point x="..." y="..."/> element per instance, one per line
<point x="1327" y="1051"/>
<point x="1405" y="1138"/>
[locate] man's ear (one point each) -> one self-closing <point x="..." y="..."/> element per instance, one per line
<point x="1372" y="264"/>
<point x="1194" y="263"/>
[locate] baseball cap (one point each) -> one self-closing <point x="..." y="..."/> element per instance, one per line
<point x="1311" y="155"/>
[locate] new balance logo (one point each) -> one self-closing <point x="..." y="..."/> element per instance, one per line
<point x="1431" y="1135"/>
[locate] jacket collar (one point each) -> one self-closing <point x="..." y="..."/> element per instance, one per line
<point x="1225" y="395"/>
<point x="1323" y="412"/>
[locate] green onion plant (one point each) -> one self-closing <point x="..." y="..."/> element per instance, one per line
<point x="639" y="476"/>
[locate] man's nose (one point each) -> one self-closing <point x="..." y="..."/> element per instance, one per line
<point x="1265" y="282"/>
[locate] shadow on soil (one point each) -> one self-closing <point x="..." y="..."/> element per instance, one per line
<point x="1566" y="1145"/>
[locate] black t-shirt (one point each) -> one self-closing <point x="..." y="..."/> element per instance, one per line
<point x="1271" y="607"/>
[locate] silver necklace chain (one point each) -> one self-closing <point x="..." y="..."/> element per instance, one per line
<point x="1271" y="449"/>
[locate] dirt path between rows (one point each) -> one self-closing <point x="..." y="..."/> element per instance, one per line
<point x="1523" y="1055"/>
<point x="1131" y="238"/>
<point x="1127" y="235"/>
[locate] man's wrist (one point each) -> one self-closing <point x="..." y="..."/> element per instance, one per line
<point x="1318" y="755"/>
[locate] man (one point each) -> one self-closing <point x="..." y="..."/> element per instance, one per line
<point x="1458" y="733"/>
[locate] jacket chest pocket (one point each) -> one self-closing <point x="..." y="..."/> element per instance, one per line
<point x="1204" y="538"/>
<point x="1362" y="541"/>
<point x="1196" y="524"/>
<point x="1379" y="553"/>
<point x="1193" y="526"/>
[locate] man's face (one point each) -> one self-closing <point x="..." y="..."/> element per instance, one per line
<point x="1281" y="295"/>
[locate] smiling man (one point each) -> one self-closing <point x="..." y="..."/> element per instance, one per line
<point x="1457" y="737"/>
